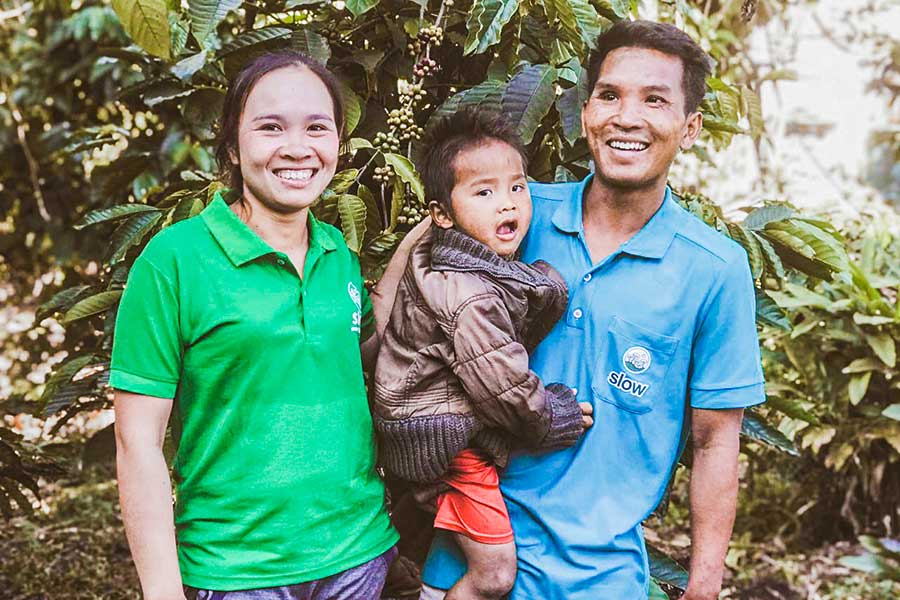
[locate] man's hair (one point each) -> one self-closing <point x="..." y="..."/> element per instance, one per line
<point x="664" y="38"/>
<point x="239" y="90"/>
<point x="450" y="136"/>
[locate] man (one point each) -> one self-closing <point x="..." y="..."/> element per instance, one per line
<point x="659" y="336"/>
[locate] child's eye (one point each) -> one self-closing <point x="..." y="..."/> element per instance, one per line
<point x="483" y="193"/>
<point x="518" y="187"/>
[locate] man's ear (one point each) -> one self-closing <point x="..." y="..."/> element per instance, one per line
<point x="440" y="215"/>
<point x="692" y="128"/>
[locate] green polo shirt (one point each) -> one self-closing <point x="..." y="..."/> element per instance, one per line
<point x="274" y="471"/>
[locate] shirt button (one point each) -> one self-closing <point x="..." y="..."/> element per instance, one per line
<point x="587" y="278"/>
<point x="577" y="313"/>
<point x="281" y="261"/>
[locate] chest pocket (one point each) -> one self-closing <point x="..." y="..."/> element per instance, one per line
<point x="632" y="366"/>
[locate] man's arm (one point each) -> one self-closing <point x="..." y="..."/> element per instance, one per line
<point x="145" y="493"/>
<point x="384" y="293"/>
<point x="714" y="486"/>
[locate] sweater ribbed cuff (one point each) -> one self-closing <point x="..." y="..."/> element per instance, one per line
<point x="565" y="417"/>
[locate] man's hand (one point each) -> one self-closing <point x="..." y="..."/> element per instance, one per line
<point x="426" y="495"/>
<point x="695" y="594"/>
<point x="587" y="414"/>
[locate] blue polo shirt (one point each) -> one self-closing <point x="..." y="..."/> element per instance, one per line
<point x="664" y="324"/>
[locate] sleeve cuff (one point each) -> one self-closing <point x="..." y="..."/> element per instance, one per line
<point x="565" y="417"/>
<point x="734" y="397"/>
<point x="138" y="384"/>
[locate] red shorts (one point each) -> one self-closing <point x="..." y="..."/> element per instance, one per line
<point x="474" y="507"/>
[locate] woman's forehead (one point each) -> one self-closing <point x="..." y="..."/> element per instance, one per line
<point x="291" y="90"/>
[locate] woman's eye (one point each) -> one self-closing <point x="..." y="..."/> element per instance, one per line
<point x="318" y="127"/>
<point x="270" y="127"/>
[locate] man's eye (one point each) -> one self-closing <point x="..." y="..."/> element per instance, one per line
<point x="656" y="100"/>
<point x="607" y="96"/>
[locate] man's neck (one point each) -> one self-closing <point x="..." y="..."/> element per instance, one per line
<point x="613" y="215"/>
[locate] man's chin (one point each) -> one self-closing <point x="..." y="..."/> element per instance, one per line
<point x="626" y="182"/>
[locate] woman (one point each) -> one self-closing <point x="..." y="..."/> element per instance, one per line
<point x="246" y="321"/>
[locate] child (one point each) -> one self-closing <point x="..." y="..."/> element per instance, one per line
<point x="453" y="392"/>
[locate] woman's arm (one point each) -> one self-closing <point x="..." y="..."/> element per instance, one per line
<point x="145" y="492"/>
<point x="384" y="293"/>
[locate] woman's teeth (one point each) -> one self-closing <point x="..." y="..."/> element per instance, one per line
<point x="295" y="174"/>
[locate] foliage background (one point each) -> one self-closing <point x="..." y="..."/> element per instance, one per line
<point x="108" y="113"/>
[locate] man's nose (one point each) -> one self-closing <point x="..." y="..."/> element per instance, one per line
<point x="629" y="114"/>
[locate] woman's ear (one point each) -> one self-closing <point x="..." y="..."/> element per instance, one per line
<point x="440" y="215"/>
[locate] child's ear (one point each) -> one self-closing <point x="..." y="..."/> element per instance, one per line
<point x="440" y="215"/>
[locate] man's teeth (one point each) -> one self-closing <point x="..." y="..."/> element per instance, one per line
<point x="295" y="174"/>
<point x="628" y="145"/>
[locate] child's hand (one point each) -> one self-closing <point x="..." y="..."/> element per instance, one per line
<point x="587" y="412"/>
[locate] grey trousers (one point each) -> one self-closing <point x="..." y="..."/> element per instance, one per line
<point x="363" y="582"/>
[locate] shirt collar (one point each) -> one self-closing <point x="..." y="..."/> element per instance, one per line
<point x="240" y="243"/>
<point x="651" y="241"/>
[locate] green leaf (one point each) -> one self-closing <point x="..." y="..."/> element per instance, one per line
<point x="359" y="144"/>
<point x="762" y="216"/>
<point x="861" y="365"/>
<point x="528" y="97"/>
<point x="664" y="568"/>
<point x="790" y="407"/>
<point x="588" y="20"/>
<point x="780" y="75"/>
<point x="113" y="213"/>
<point x="342" y="181"/>
<point x="615" y="10"/>
<point x="485" y="23"/>
<point x="254" y="38"/>
<point x="716" y="124"/>
<point x="63" y="374"/>
<point x="201" y="111"/>
<point x="91" y="306"/>
<point x="892" y="412"/>
<point x="753" y="107"/>
<point x="567" y="26"/>
<point x="185" y="68"/>
<point x="751" y="245"/>
<point x="207" y="14"/>
<point x="768" y="312"/>
<point x="60" y="301"/>
<point x="358" y="7"/>
<point x="656" y="592"/>
<point x="68" y="393"/>
<point x="861" y="319"/>
<point x="755" y="428"/>
<point x="487" y="94"/>
<point x="883" y="346"/>
<point x="807" y="247"/>
<point x="147" y="23"/>
<point x="774" y="266"/>
<point x="568" y="105"/>
<point x="407" y="173"/>
<point x="187" y="208"/>
<point x="857" y="387"/>
<point x="164" y="90"/>
<point x="353" y="110"/>
<point x="311" y="44"/>
<point x="352" y="210"/>
<point x="129" y="233"/>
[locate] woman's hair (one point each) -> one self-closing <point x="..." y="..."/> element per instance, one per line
<point x="239" y="90"/>
<point x="661" y="37"/>
<point x="448" y="137"/>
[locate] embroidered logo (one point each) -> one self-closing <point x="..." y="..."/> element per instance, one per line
<point x="636" y="360"/>
<point x="355" y="296"/>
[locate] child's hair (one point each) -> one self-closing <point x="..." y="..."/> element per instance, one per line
<point x="239" y="90"/>
<point x="450" y="136"/>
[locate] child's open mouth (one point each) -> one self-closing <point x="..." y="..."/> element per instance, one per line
<point x="507" y="229"/>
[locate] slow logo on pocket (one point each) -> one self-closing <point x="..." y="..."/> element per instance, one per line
<point x="636" y="360"/>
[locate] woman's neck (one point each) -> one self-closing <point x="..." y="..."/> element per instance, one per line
<point x="284" y="232"/>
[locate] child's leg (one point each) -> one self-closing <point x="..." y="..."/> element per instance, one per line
<point x="491" y="570"/>
<point x="474" y="510"/>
